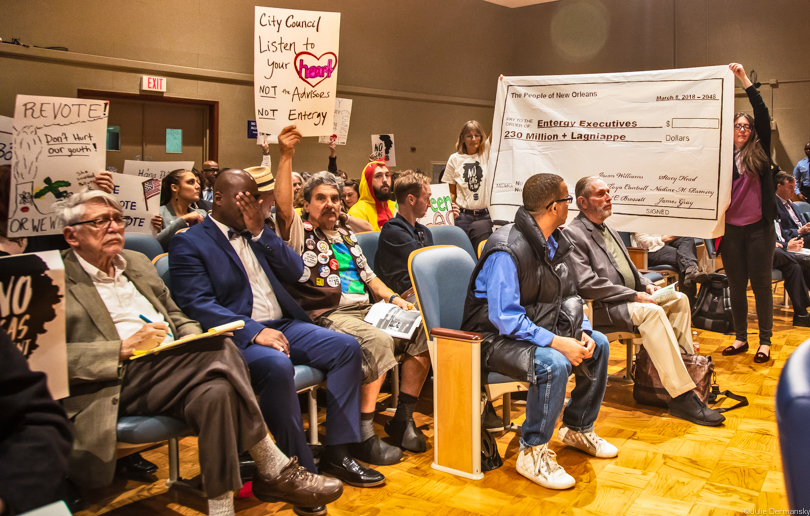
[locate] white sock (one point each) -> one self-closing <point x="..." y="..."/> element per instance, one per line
<point x="268" y="458"/>
<point x="222" y="505"/>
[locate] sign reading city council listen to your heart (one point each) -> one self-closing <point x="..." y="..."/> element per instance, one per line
<point x="295" y="70"/>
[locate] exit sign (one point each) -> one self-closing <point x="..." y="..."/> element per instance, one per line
<point x="149" y="83"/>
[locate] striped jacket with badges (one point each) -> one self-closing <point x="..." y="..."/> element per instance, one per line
<point x="328" y="270"/>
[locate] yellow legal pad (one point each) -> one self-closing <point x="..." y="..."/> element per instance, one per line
<point x="216" y="330"/>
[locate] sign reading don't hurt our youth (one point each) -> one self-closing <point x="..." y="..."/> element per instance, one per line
<point x="295" y="70"/>
<point x="661" y="140"/>
<point x="32" y="313"/>
<point x="59" y="145"/>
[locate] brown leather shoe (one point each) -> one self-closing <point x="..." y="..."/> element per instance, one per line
<point x="297" y="486"/>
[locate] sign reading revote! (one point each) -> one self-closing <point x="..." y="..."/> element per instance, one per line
<point x="295" y="70"/>
<point x="59" y="145"/>
<point x="32" y="313"/>
<point x="661" y="140"/>
<point x="440" y="211"/>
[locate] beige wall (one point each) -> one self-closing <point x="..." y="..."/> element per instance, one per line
<point x="770" y="37"/>
<point x="414" y="68"/>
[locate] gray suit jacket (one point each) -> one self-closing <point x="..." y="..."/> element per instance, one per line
<point x="597" y="275"/>
<point x="94" y="370"/>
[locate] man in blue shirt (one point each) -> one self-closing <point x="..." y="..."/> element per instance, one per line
<point x="802" y="175"/>
<point x="523" y="299"/>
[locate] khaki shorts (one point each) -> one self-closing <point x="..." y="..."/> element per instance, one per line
<point x="378" y="347"/>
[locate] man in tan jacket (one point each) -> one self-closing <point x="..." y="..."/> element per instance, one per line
<point x="109" y="294"/>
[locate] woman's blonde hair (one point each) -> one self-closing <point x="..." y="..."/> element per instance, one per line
<point x="469" y="127"/>
<point x="752" y="157"/>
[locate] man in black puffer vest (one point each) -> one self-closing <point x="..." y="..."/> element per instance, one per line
<point x="523" y="299"/>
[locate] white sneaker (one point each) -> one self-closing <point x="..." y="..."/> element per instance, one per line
<point x="538" y="464"/>
<point x="588" y="442"/>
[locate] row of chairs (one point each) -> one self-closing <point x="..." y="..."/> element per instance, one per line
<point x="442" y="308"/>
<point x="136" y="431"/>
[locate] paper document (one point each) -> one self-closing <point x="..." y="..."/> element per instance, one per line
<point x="393" y="320"/>
<point x="216" y="330"/>
<point x="665" y="294"/>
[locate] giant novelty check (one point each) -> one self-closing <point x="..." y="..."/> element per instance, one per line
<point x="661" y="140"/>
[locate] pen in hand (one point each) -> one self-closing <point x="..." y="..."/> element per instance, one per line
<point x="147" y="321"/>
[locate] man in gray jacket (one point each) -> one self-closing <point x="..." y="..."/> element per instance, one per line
<point x="623" y="299"/>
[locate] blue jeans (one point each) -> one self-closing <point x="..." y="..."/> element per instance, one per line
<point x="545" y="398"/>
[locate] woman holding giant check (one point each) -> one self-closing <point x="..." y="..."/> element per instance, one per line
<point x="750" y="238"/>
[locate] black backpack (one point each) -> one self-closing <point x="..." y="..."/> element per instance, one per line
<point x="712" y="309"/>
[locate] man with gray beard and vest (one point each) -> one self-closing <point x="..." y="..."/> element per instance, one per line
<point x="523" y="299"/>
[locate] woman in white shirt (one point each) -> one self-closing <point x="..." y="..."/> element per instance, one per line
<point x="466" y="174"/>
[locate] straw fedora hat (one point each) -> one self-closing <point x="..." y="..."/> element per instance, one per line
<point x="263" y="177"/>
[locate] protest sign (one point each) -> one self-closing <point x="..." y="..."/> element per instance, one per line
<point x="155" y="169"/>
<point x="382" y="147"/>
<point x="661" y="140"/>
<point x="340" y="127"/>
<point x="440" y="211"/>
<point x="140" y="200"/>
<point x="6" y="133"/>
<point x="59" y="144"/>
<point x="295" y="70"/>
<point x="32" y="312"/>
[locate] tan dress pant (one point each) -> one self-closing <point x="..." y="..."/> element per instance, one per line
<point x="666" y="332"/>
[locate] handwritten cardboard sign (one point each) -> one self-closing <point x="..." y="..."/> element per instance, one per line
<point x="59" y="145"/>
<point x="6" y="134"/>
<point x="155" y="169"/>
<point x="661" y="140"/>
<point x="340" y="127"/>
<point x="382" y="146"/>
<point x="295" y="70"/>
<point x="440" y="211"/>
<point x="140" y="199"/>
<point x="32" y="312"/>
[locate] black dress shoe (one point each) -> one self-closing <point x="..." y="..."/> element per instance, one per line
<point x="73" y="497"/>
<point x="406" y="435"/>
<point x="310" y="511"/>
<point x="731" y="350"/>
<point x="351" y="472"/>
<point x="492" y="422"/>
<point x="802" y="320"/>
<point x="375" y="451"/>
<point x="689" y="407"/>
<point x="694" y="275"/>
<point x="136" y="467"/>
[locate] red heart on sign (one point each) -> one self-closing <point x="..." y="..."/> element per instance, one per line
<point x="309" y="67"/>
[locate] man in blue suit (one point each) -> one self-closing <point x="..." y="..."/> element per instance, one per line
<point x="790" y="220"/>
<point x="231" y="267"/>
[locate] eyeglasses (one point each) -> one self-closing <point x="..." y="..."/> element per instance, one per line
<point x="568" y="200"/>
<point x="103" y="224"/>
<point x="210" y="170"/>
<point x="742" y="127"/>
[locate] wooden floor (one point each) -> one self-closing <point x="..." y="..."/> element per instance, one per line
<point x="665" y="465"/>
